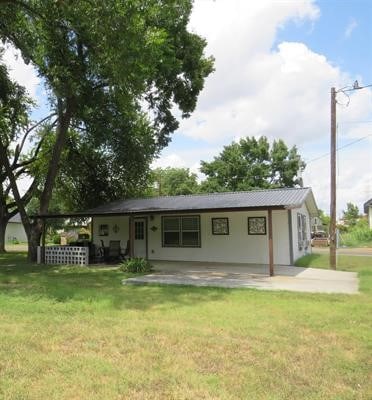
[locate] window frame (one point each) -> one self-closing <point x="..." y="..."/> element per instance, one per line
<point x="180" y="231"/>
<point x="302" y="235"/>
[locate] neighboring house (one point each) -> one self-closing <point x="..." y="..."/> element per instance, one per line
<point x="261" y="227"/>
<point x="15" y="230"/>
<point x="368" y="211"/>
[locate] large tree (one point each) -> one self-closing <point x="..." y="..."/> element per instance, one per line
<point x="110" y="67"/>
<point x="351" y="214"/>
<point x="174" y="181"/>
<point x="15" y="129"/>
<point x="252" y="164"/>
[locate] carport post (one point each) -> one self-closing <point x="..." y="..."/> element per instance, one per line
<point x="271" y="252"/>
<point x="131" y="237"/>
<point x="43" y="239"/>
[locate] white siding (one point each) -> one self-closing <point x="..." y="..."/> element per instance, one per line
<point x="122" y="234"/>
<point x="238" y="246"/>
<point x="370" y="216"/>
<point x="15" y="230"/>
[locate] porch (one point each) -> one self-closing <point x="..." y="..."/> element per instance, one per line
<point x="253" y="276"/>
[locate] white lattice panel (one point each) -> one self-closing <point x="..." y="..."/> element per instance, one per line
<point x="67" y="255"/>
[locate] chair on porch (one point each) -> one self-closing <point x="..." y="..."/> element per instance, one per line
<point x="114" y="251"/>
<point x="126" y="253"/>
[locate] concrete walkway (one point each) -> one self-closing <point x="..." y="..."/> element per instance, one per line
<point x="249" y="276"/>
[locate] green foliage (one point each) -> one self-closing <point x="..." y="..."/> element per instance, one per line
<point x="351" y="214"/>
<point x="136" y="265"/>
<point x="325" y="219"/>
<point x="174" y="181"/>
<point x="358" y="235"/>
<point x="56" y="239"/>
<point x="115" y="72"/>
<point x="252" y="164"/>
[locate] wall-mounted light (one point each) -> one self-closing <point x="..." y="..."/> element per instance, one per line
<point x="154" y="228"/>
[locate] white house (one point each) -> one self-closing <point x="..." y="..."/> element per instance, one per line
<point x="261" y="226"/>
<point x="15" y="231"/>
<point x="368" y="211"/>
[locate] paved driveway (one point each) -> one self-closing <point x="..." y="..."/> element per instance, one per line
<point x="249" y="276"/>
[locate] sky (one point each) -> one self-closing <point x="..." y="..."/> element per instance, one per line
<point x="275" y="64"/>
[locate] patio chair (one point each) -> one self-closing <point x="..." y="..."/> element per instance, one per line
<point x="114" y="250"/>
<point x="126" y="253"/>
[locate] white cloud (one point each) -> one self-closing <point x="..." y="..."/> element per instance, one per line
<point x="24" y="74"/>
<point x="350" y="27"/>
<point x="281" y="92"/>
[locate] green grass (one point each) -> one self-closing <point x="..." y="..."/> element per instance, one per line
<point x="77" y="333"/>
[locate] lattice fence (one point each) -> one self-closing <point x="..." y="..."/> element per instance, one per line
<point x="72" y="255"/>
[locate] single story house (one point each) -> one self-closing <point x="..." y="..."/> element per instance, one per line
<point x="368" y="210"/>
<point x="261" y="226"/>
<point x="15" y="232"/>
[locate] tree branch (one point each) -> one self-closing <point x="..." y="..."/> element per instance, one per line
<point x="19" y="148"/>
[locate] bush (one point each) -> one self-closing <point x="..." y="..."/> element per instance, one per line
<point x="358" y="235"/>
<point x="56" y="239"/>
<point x="136" y="265"/>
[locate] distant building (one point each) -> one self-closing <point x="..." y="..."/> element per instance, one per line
<point x="15" y="230"/>
<point x="368" y="211"/>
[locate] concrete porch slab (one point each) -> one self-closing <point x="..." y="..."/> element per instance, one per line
<point x="231" y="275"/>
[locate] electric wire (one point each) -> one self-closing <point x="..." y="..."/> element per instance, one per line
<point x="339" y="148"/>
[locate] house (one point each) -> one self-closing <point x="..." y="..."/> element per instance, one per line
<point x="368" y="210"/>
<point x="261" y="227"/>
<point x="15" y="231"/>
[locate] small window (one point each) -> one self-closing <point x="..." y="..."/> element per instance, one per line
<point x="181" y="231"/>
<point x="139" y="230"/>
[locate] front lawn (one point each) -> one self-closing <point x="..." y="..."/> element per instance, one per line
<point x="77" y="333"/>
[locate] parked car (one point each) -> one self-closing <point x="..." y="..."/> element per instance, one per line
<point x="319" y="239"/>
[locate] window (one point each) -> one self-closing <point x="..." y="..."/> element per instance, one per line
<point x="139" y="230"/>
<point x="302" y="231"/>
<point x="181" y="231"/>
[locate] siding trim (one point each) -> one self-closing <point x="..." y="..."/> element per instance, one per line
<point x="290" y="233"/>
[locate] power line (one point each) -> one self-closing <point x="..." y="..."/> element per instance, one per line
<point x="339" y="148"/>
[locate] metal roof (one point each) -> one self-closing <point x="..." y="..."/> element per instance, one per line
<point x="272" y="198"/>
<point x="16" y="219"/>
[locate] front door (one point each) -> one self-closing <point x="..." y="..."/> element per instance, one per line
<point x="140" y="239"/>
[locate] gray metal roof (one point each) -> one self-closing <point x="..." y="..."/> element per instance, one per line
<point x="16" y="219"/>
<point x="277" y="198"/>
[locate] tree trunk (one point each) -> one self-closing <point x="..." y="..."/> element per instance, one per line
<point x="34" y="229"/>
<point x="34" y="236"/>
<point x="3" y="224"/>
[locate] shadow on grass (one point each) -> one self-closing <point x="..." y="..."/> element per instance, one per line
<point x="63" y="284"/>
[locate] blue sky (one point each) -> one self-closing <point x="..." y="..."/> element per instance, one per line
<point x="343" y="33"/>
<point x="276" y="61"/>
<point x="303" y="48"/>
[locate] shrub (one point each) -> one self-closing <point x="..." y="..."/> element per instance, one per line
<point x="136" y="265"/>
<point x="359" y="235"/>
<point x="56" y="239"/>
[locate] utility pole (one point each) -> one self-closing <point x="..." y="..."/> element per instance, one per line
<point x="332" y="226"/>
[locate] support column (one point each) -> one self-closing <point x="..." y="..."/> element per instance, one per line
<point x="271" y="251"/>
<point x="43" y="239"/>
<point x="131" y="237"/>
